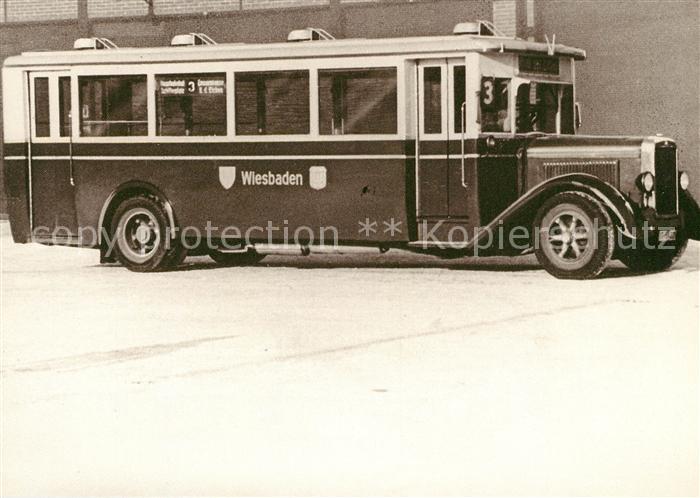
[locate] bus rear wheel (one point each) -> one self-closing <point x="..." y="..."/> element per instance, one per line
<point x="575" y="237"/>
<point x="143" y="244"/>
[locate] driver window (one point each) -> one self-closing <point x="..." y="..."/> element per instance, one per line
<point x="537" y="106"/>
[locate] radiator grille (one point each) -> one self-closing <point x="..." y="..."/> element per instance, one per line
<point x="608" y="171"/>
<point x="666" y="179"/>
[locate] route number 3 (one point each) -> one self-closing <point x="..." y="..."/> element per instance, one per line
<point x="488" y="92"/>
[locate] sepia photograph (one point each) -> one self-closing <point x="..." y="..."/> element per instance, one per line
<point x="349" y="248"/>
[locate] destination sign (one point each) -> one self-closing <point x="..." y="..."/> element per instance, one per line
<point x="538" y="65"/>
<point x="192" y="86"/>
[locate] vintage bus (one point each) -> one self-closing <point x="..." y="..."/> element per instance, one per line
<point x="451" y="145"/>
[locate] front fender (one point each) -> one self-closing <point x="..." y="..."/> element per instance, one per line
<point x="623" y="212"/>
<point x="522" y="212"/>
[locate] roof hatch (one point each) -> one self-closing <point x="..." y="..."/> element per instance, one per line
<point x="94" y="44"/>
<point x="309" y="34"/>
<point x="191" y="40"/>
<point x="477" y="28"/>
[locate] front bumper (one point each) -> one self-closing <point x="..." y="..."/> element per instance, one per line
<point x="663" y="228"/>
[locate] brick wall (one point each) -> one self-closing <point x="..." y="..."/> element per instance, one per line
<point x="505" y="16"/>
<point x="39" y="10"/>
<point x="47" y="10"/>
<point x="267" y="4"/>
<point x="171" y="7"/>
<point x="117" y="8"/>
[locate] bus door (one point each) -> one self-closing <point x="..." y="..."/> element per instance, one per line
<point x="442" y="181"/>
<point x="51" y="166"/>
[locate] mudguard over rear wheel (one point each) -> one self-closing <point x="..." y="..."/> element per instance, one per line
<point x="574" y="236"/>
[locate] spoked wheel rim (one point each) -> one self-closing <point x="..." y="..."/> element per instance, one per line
<point x="568" y="236"/>
<point x="138" y="235"/>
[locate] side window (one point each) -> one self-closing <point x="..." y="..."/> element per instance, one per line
<point x="432" y="100"/>
<point x="113" y="106"/>
<point x="42" y="126"/>
<point x="272" y="103"/>
<point x="64" y="105"/>
<point x="460" y="88"/>
<point x="191" y="105"/>
<point x="358" y="101"/>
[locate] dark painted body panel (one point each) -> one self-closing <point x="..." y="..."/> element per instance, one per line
<point x="54" y="198"/>
<point x="489" y="189"/>
<point x="16" y="187"/>
<point x="356" y="190"/>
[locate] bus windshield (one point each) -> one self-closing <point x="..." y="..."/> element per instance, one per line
<point x="545" y="107"/>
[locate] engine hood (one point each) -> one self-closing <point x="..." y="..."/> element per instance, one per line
<point x="585" y="147"/>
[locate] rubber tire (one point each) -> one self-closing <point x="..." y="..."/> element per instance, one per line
<point x="236" y="259"/>
<point x="166" y="254"/>
<point x="646" y="260"/>
<point x="603" y="240"/>
<point x="177" y="255"/>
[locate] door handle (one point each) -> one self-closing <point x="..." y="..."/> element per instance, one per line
<point x="464" y="119"/>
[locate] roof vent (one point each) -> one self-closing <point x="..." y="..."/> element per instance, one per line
<point x="478" y="28"/>
<point x="191" y="40"/>
<point x="309" y="34"/>
<point x="94" y="44"/>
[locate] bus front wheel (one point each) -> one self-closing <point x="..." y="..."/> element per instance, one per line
<point x="143" y="242"/>
<point x="574" y="236"/>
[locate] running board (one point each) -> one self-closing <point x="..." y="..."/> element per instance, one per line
<point x="305" y="250"/>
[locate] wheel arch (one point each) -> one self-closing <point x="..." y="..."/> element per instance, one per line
<point x="621" y="211"/>
<point x="126" y="191"/>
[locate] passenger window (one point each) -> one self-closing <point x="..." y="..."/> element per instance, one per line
<point x="113" y="106"/>
<point x="64" y="105"/>
<point x="272" y="103"/>
<point x="460" y="89"/>
<point x="358" y="101"/>
<point x="432" y="100"/>
<point x="42" y="127"/>
<point x="191" y="105"/>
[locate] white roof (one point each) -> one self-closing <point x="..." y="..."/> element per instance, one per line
<point x="299" y="50"/>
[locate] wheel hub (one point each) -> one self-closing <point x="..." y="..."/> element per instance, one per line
<point x="568" y="237"/>
<point x="143" y="233"/>
<point x="139" y="236"/>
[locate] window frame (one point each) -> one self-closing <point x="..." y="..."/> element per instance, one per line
<point x="357" y="70"/>
<point x="271" y="71"/>
<point x="149" y="95"/>
<point x="517" y="82"/>
<point x="152" y="82"/>
<point x="444" y="125"/>
<point x="54" y="107"/>
<point x="230" y="68"/>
